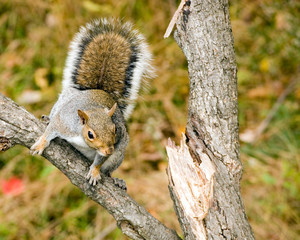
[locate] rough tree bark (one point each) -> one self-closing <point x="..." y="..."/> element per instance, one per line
<point x="213" y="175"/>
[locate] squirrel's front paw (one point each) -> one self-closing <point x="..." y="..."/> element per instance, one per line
<point x="39" y="146"/>
<point x="94" y="175"/>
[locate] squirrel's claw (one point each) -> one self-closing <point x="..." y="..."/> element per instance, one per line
<point x="93" y="176"/>
<point x="45" y="119"/>
<point x="34" y="152"/>
<point x="39" y="146"/>
<point x="120" y="183"/>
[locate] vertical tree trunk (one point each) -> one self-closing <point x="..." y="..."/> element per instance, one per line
<point x="204" y="34"/>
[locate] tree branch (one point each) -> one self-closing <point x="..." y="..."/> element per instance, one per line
<point x="17" y="126"/>
<point x="204" y="34"/>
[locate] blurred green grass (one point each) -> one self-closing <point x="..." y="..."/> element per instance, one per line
<point x="34" y="39"/>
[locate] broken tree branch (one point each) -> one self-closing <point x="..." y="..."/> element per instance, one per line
<point x="204" y="34"/>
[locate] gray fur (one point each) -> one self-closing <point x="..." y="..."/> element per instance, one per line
<point x="64" y="120"/>
<point x="65" y="123"/>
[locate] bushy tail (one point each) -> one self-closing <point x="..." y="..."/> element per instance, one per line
<point x="109" y="55"/>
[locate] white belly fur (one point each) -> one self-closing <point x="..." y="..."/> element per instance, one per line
<point x="79" y="143"/>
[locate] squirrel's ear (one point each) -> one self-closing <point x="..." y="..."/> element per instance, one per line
<point x="112" y="110"/>
<point x="83" y="116"/>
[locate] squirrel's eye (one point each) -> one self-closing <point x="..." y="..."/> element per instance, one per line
<point x="90" y="135"/>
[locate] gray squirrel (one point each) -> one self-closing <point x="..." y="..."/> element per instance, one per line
<point x="106" y="64"/>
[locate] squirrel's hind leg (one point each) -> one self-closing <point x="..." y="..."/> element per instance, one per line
<point x="115" y="160"/>
<point x="112" y="163"/>
<point x="120" y="183"/>
<point x="45" y="119"/>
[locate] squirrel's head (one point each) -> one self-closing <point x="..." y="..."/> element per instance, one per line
<point x="98" y="129"/>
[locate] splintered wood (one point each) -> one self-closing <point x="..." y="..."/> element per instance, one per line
<point x="174" y="19"/>
<point x="192" y="184"/>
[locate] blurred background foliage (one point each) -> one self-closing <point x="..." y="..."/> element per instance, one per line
<point x="38" y="202"/>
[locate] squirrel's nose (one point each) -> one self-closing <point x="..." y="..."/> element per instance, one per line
<point x="109" y="151"/>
